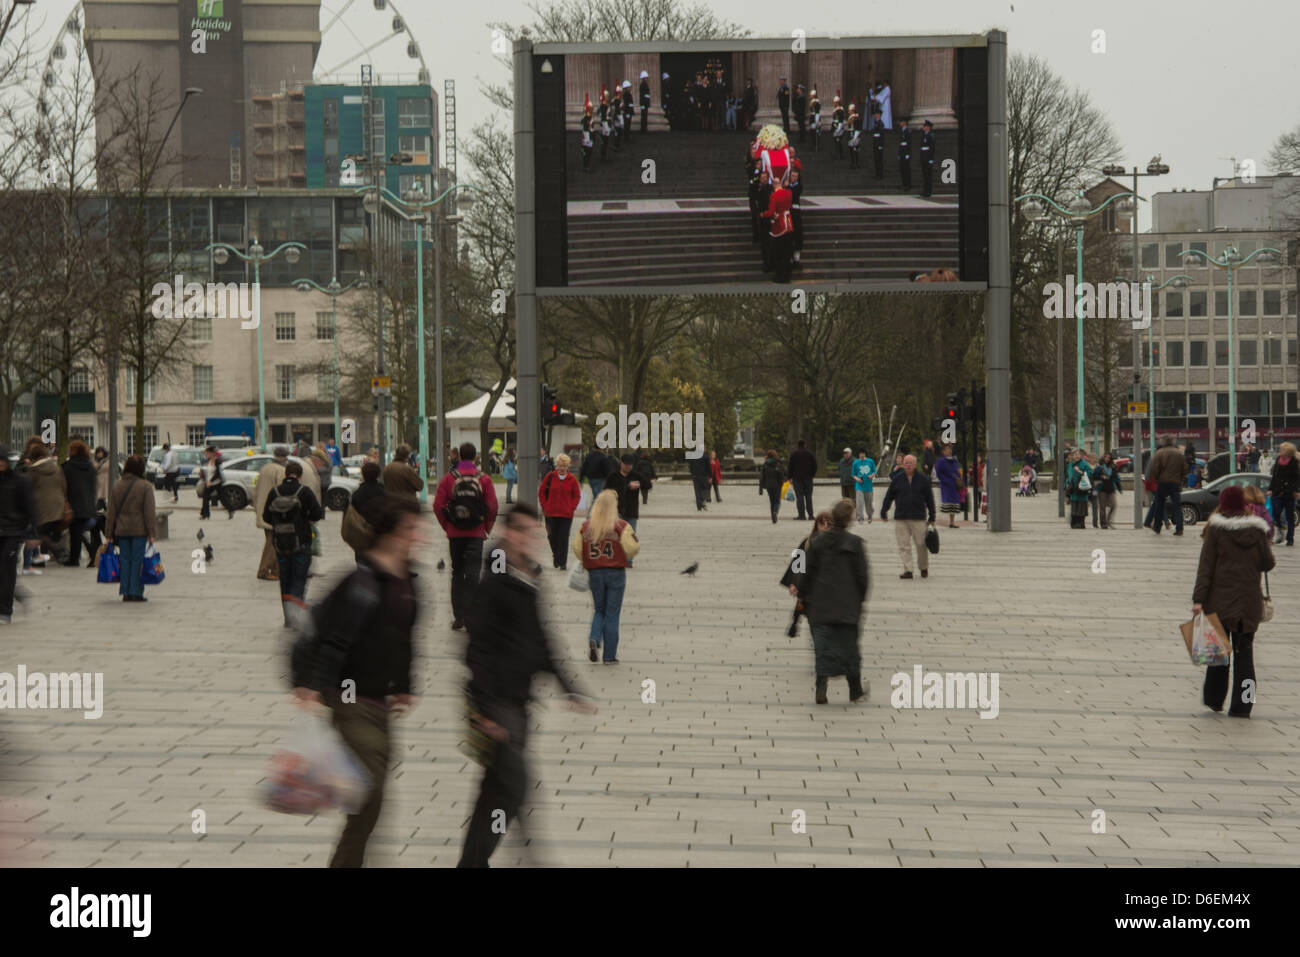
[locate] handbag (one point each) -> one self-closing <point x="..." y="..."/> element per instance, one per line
<point x="578" y="578"/>
<point x="1207" y="642"/>
<point x="151" y="572"/>
<point x="110" y="565"/>
<point x="1267" y="614"/>
<point x="931" y="540"/>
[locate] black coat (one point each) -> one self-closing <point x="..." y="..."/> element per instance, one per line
<point x="1286" y="478"/>
<point x="835" y="587"/>
<point x="507" y="644"/>
<point x="80" y="475"/>
<point x="629" y="499"/>
<point x="645" y="473"/>
<point x="914" y="500"/>
<point x="771" y="475"/>
<point x="17" y="504"/>
<point x="803" y="466"/>
<point x="700" y="469"/>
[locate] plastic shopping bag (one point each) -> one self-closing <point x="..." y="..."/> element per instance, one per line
<point x="578" y="579"/>
<point x="584" y="501"/>
<point x="787" y="492"/>
<point x="315" y="771"/>
<point x="110" y="565"/>
<point x="1207" y="642"/>
<point x="151" y="572"/>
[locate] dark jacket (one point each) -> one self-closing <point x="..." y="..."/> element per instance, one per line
<point x="798" y="554"/>
<point x="644" y="470"/>
<point x="310" y="510"/>
<point x="507" y="644"/>
<point x="17" y="506"/>
<point x="803" y="466"/>
<point x="595" y="465"/>
<point x="835" y="587"/>
<point x="363" y="631"/>
<point x="629" y="499"/>
<point x="131" y="509"/>
<point x="80" y="475"/>
<point x="700" y="470"/>
<point x="846" y="471"/>
<point x="771" y="475"/>
<point x="914" y="499"/>
<point x="1106" y="478"/>
<point x="1285" y="479"/>
<point x="1233" y="553"/>
<point x="1168" y="465"/>
<point x="367" y="498"/>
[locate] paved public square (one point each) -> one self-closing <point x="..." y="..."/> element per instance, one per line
<point x="1099" y="711"/>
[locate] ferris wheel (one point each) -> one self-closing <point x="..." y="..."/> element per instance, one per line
<point x="345" y="40"/>
<point x="62" y="85"/>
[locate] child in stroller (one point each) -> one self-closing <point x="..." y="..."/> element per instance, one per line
<point x="1028" y="482"/>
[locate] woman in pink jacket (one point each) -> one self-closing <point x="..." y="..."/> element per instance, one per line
<point x="558" y="495"/>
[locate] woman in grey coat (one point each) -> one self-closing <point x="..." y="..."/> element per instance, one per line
<point x="834" y="593"/>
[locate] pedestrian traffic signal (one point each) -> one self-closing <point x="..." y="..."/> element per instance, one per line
<point x="550" y="405"/>
<point x="512" y="396"/>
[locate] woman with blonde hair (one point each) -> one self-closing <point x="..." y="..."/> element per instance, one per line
<point x="606" y="545"/>
<point x="558" y="495"/>
<point x="1257" y="503"/>
<point x="1284" y="489"/>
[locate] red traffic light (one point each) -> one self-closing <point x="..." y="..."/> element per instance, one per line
<point x="952" y="413"/>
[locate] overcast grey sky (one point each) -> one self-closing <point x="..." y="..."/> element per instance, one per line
<point x="1195" y="81"/>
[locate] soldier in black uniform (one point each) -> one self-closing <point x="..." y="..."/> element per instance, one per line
<point x="605" y="129"/>
<point x="666" y="99"/>
<point x="796" y="213"/>
<point x="699" y="93"/>
<point x="878" y="142"/>
<point x="905" y="154"/>
<point x="586" y="136"/>
<point x="629" y="110"/>
<point x="719" y="101"/>
<point x="783" y="104"/>
<point x="645" y="101"/>
<point x="765" y="189"/>
<point x="754" y="171"/>
<point x="854" y="134"/>
<point x="837" y="127"/>
<point x="801" y="110"/>
<point x="751" y="102"/>
<point x="927" y="159"/>
<point x="815" y="121"/>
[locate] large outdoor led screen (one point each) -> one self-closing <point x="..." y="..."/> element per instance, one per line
<point x="676" y="168"/>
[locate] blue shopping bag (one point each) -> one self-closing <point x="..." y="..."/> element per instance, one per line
<point x="151" y="573"/>
<point x="110" y="566"/>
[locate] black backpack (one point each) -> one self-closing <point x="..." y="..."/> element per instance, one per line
<point x="466" y="508"/>
<point x="286" y="511"/>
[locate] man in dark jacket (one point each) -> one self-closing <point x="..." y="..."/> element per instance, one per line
<point x="80" y="477"/>
<point x="801" y="469"/>
<point x="645" y="474"/>
<point x="507" y="647"/>
<point x="834" y="591"/>
<point x="357" y="657"/>
<point x="628" y="487"/>
<point x="596" y="466"/>
<point x="910" y="490"/>
<point x="846" y="475"/>
<point x="17" y="526"/>
<point x="294" y="561"/>
<point x="1168" y="469"/>
<point x="700" y="478"/>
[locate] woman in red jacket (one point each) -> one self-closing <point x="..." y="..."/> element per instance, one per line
<point x="715" y="474"/>
<point x="558" y="495"/>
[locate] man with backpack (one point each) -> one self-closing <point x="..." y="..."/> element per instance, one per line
<point x="362" y="631"/>
<point x="466" y="508"/>
<point x="290" y="509"/>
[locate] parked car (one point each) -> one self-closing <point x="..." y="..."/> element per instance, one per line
<point x="191" y="463"/>
<point x="1199" y="503"/>
<point x="240" y="475"/>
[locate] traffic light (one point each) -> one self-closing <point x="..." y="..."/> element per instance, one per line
<point x="550" y="405"/>
<point x="512" y="396"/>
<point x="954" y="409"/>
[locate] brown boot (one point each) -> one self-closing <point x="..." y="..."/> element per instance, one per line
<point x="821" y="690"/>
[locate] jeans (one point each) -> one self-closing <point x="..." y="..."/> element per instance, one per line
<point x="864" y="504"/>
<point x="505" y="781"/>
<point x="293" y="576"/>
<point x="607" y="587"/>
<point x="131" y="549"/>
<point x="10" y="546"/>
<point x="466" y="566"/>
<point x="1283" y="506"/>
<point x="597" y="486"/>
<point x="363" y="726"/>
<point x="1171" y="492"/>
<point x="510" y="490"/>
<point x="557" y="532"/>
<point x="1243" y="667"/>
<point x="803" y="496"/>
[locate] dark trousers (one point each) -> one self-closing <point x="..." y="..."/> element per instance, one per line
<point x="879" y="157"/>
<point x="717" y="495"/>
<point x="169" y="484"/>
<point x="466" y="566"/>
<point x="803" y="129"/>
<point x="645" y="118"/>
<point x="1243" y="671"/>
<point x="11" y="546"/>
<point x="785" y="118"/>
<point x="502" y="789"/>
<point x="1172" y="493"/>
<point x="604" y="146"/>
<point x="75" y="531"/>
<point x="293" y="569"/>
<point x="782" y="257"/>
<point x="645" y="493"/>
<point x="905" y="172"/>
<point x="701" y="492"/>
<point x="927" y="178"/>
<point x="557" y="533"/>
<point x="363" y="726"/>
<point x="1284" y="507"/>
<point x="586" y="157"/>
<point x="846" y="491"/>
<point x="211" y="495"/>
<point x="803" y="496"/>
<point x="774" y="498"/>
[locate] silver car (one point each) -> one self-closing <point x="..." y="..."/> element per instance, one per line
<point x="240" y="475"/>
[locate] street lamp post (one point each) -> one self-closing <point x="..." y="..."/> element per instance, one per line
<point x="333" y="290"/>
<point x="1268" y="366"/>
<point x="1078" y="214"/>
<point x="221" y="253"/>
<point x="1232" y="259"/>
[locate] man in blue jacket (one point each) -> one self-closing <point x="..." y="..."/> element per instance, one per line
<point x="910" y="491"/>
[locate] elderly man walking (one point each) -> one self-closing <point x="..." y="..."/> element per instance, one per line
<point x="910" y="490"/>
<point x="1168" y="469"/>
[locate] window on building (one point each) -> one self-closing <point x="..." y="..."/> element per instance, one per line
<point x="278" y="431"/>
<point x="1173" y="255"/>
<point x="414" y="111"/>
<point x="286" y="329"/>
<point x="1124" y="358"/>
<point x="1221" y="303"/>
<point x="1174" y="355"/>
<point x="1246" y="303"/>
<point x="377" y="127"/>
<point x="1150" y="255"/>
<point x="285" y="383"/>
<point x="325" y="326"/>
<point x="325" y="386"/>
<point x="1248" y="353"/>
<point x="413" y="143"/>
<point x="195" y="434"/>
<point x="1272" y="302"/>
<point x="203" y="383"/>
<point x="1199" y="245"/>
<point x="79" y="382"/>
<point x="408" y="181"/>
<point x="1293" y="403"/>
<point x="200" y="329"/>
<point x="130" y="388"/>
<point x="1196" y="353"/>
<point x="150" y="440"/>
<point x="1221" y="403"/>
<point x="1247" y="246"/>
<point x="1170" y="404"/>
<point x="1173" y="305"/>
<point x="1196" y="407"/>
<point x="1290" y="302"/>
<point x="1252" y="403"/>
<point x="330" y="116"/>
<point x="1273" y="351"/>
<point x="1221" y="353"/>
<point x="1196" y="304"/>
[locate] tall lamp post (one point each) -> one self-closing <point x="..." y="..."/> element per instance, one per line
<point x="1268" y="366"/>
<point x="333" y="290"/>
<point x="221" y="253"/>
<point x="1078" y="213"/>
<point x="1232" y="259"/>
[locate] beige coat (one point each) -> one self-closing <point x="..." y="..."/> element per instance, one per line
<point x="270" y="475"/>
<point x="101" y="479"/>
<point x="401" y="480"/>
<point x="131" y="508"/>
<point x="49" y="490"/>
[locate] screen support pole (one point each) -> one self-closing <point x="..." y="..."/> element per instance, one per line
<point x="998" y="303"/>
<point x="528" y="400"/>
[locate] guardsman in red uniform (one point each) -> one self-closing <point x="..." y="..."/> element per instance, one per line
<point x="781" y="230"/>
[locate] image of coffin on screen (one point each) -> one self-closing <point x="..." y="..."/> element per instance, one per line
<point x="729" y="166"/>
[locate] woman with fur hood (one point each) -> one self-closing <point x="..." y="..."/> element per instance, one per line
<point x="1235" y="549"/>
